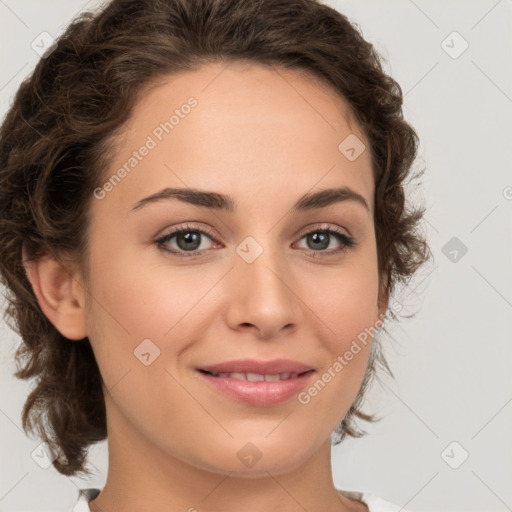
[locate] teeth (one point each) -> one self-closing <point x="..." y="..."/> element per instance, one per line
<point x="257" y="377"/>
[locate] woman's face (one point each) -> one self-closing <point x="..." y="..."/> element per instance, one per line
<point x="266" y="282"/>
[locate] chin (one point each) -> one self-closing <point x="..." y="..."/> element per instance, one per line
<point x="258" y="458"/>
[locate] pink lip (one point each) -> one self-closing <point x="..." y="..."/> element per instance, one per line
<point x="261" y="393"/>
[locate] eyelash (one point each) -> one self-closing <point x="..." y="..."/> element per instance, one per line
<point x="347" y="241"/>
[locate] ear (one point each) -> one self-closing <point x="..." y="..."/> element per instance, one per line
<point x="59" y="293"/>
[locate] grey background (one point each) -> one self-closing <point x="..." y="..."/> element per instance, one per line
<point x="452" y="360"/>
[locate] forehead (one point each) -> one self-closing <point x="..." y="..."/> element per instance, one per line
<point x="252" y="127"/>
<point x="269" y="93"/>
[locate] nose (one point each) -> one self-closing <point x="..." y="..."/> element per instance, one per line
<point x="263" y="297"/>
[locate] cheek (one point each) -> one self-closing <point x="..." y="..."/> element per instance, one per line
<point x="346" y="304"/>
<point x="345" y="300"/>
<point x="349" y="316"/>
<point x="133" y="299"/>
<point x="140" y="295"/>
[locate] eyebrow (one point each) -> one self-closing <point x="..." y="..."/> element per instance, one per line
<point x="217" y="201"/>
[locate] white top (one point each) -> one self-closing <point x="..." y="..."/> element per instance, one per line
<point x="374" y="503"/>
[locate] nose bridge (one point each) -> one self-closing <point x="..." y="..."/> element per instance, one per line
<point x="260" y="267"/>
<point x="260" y="263"/>
<point x="264" y="294"/>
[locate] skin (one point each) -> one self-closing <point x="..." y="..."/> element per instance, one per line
<point x="266" y="137"/>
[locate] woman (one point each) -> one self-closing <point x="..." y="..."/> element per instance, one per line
<point x="253" y="132"/>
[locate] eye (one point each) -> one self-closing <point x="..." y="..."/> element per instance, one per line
<point x="320" y="239"/>
<point x="188" y="241"/>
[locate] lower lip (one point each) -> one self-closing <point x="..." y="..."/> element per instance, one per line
<point x="261" y="393"/>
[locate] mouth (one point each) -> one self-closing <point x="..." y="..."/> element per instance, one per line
<point x="256" y="377"/>
<point x="255" y="383"/>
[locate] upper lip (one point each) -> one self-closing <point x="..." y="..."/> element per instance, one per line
<point x="270" y="367"/>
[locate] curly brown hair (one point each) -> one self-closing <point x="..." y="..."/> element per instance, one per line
<point x="56" y="144"/>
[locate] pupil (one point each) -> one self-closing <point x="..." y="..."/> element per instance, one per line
<point x="323" y="238"/>
<point x="189" y="238"/>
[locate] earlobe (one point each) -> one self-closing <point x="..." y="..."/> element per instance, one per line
<point x="59" y="299"/>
